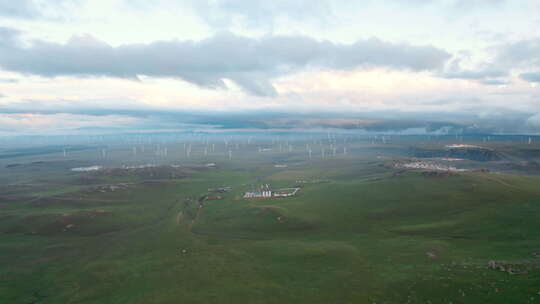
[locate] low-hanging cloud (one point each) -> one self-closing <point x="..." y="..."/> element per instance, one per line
<point x="251" y="63"/>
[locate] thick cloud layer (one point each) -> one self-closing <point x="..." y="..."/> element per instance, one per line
<point x="473" y="120"/>
<point x="251" y="63"/>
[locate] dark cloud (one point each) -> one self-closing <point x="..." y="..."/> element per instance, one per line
<point x="251" y="63"/>
<point x="473" y="120"/>
<point x="8" y="37"/>
<point x="516" y="56"/>
<point x="486" y="74"/>
<point x="530" y="77"/>
<point x="494" y="82"/>
<point x="369" y="123"/>
<point x="522" y="53"/>
<point x="475" y="74"/>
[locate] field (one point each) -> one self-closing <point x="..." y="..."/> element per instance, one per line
<point x="359" y="231"/>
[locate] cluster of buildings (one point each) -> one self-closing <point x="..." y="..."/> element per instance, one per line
<point x="267" y="192"/>
<point x="462" y="146"/>
<point x="140" y="166"/>
<point x="125" y="167"/>
<point x="87" y="169"/>
<point x="429" y="166"/>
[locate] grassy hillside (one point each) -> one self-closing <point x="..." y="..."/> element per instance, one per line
<point x="355" y="233"/>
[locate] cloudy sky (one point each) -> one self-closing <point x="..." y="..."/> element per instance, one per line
<point x="70" y="66"/>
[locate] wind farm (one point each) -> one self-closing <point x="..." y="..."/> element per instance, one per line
<point x="309" y="207"/>
<point x="269" y="152"/>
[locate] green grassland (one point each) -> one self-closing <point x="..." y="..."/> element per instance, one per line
<point x="355" y="233"/>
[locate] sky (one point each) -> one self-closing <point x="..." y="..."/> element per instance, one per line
<point x="76" y="66"/>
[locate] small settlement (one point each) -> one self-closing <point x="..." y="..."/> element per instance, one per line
<point x="87" y="169"/>
<point x="428" y="166"/>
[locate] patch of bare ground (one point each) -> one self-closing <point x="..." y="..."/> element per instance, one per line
<point x="6" y="190"/>
<point x="269" y="211"/>
<point x="434" y="174"/>
<point x="86" y="180"/>
<point x="14" y="199"/>
<point x="42" y="260"/>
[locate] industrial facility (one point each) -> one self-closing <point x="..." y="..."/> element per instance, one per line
<point x="267" y="192"/>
